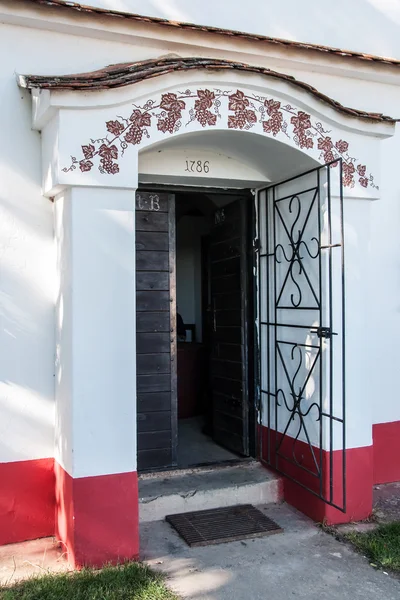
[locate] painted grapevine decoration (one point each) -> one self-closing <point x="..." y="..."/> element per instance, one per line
<point x="174" y="111"/>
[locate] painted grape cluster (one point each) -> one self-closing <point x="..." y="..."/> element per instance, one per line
<point x="169" y="114"/>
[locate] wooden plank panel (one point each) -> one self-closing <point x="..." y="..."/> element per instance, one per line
<point x="154" y="459"/>
<point x="226" y="368"/>
<point x="153" y="383"/>
<point x="229" y="335"/>
<point x="152" y="301"/>
<point x="146" y="343"/>
<point x="173" y="324"/>
<point x="228" y="387"/>
<point x="228" y="422"/>
<point x="228" y="318"/>
<point x="152" y="261"/>
<point x="229" y="266"/>
<point x="150" y="440"/>
<point x="229" y="440"/>
<point x="154" y="224"/>
<point x="226" y="231"/>
<point x="230" y="352"/>
<point x="152" y="240"/>
<point x="231" y="301"/>
<point x="225" y="405"/>
<point x="151" y="221"/>
<point x="226" y="249"/>
<point x="154" y="421"/>
<point x="152" y="280"/>
<point x="151" y="201"/>
<point x="152" y="322"/>
<point x="228" y="257"/>
<point x="231" y="283"/>
<point x="153" y="402"/>
<point x="148" y="364"/>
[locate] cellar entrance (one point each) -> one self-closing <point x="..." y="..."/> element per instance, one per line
<point x="194" y="256"/>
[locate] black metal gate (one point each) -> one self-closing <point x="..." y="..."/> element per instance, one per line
<point x="301" y="331"/>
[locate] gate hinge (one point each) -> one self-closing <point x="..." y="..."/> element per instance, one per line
<point x="256" y="245"/>
<point x="324" y="332"/>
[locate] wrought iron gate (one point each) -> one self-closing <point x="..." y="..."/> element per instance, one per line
<point x="301" y="331"/>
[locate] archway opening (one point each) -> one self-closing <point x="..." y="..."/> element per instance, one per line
<point x="235" y="159"/>
<point x="195" y="227"/>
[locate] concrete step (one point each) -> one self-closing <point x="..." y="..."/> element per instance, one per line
<point x="172" y="492"/>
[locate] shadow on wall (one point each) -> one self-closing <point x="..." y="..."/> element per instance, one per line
<point x="27" y="284"/>
<point x="376" y="22"/>
<point x="26" y="390"/>
<point x="26" y="374"/>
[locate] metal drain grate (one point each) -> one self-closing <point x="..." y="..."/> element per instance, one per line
<point x="219" y="525"/>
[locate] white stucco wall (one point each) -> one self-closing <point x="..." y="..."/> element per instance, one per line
<point x="28" y="282"/>
<point x="27" y="249"/>
<point x="27" y="279"/>
<point x="383" y="325"/>
<point x="370" y="26"/>
<point x="95" y="332"/>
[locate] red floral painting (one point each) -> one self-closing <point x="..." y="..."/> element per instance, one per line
<point x="175" y="111"/>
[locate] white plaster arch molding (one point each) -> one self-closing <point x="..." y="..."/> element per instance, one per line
<point x="94" y="138"/>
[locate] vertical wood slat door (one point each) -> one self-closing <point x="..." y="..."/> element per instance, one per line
<point x="229" y="306"/>
<point x="156" y="330"/>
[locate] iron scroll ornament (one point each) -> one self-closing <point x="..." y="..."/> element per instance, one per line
<point x="302" y="388"/>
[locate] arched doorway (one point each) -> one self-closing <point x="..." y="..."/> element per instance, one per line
<point x="283" y="398"/>
<point x="263" y="130"/>
<point x="208" y="180"/>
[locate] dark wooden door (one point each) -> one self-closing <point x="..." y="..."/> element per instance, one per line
<point x="156" y="325"/>
<point x="229" y="316"/>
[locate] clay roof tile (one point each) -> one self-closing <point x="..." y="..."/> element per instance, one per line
<point x="115" y="76"/>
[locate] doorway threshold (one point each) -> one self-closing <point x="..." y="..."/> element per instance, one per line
<point x="206" y="487"/>
<point x="196" y="448"/>
<point x="197" y="467"/>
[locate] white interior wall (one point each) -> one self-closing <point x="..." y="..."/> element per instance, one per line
<point x="190" y="229"/>
<point x="185" y="270"/>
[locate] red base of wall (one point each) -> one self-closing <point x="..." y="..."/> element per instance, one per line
<point x="27" y="500"/>
<point x="359" y="463"/>
<point x="386" y="439"/>
<point x="97" y="517"/>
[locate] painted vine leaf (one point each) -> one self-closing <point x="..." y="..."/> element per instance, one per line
<point x="203" y="106"/>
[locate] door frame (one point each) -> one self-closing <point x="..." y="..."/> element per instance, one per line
<point x="173" y="328"/>
<point x="249" y="282"/>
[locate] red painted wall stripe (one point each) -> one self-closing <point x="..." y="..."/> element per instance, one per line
<point x="358" y="476"/>
<point x="386" y="440"/>
<point x="98" y="517"/>
<point x="27" y="500"/>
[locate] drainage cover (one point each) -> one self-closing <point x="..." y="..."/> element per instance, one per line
<point x="219" y="525"/>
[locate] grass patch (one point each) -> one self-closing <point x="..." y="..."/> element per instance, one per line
<point x="381" y="546"/>
<point x="131" y="581"/>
